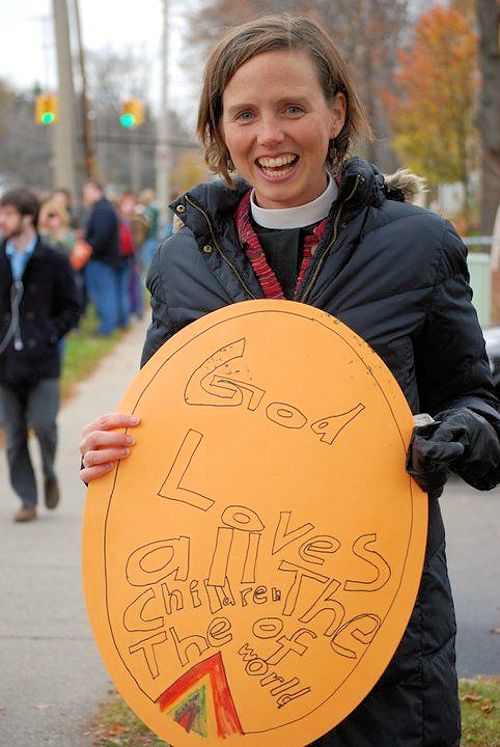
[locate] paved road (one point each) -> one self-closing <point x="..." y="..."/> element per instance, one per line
<point x="52" y="679"/>
<point x="51" y="676"/>
<point x="472" y="521"/>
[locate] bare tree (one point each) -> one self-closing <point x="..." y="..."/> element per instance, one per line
<point x="488" y="16"/>
<point x="367" y="33"/>
<point x="25" y="147"/>
<point x="113" y="77"/>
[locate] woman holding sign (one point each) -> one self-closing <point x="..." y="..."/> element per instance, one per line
<point x="305" y="221"/>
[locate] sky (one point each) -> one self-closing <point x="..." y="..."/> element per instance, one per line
<point x="27" y="37"/>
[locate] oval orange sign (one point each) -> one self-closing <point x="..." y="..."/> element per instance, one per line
<point x="251" y="567"/>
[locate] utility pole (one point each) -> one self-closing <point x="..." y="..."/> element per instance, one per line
<point x="163" y="153"/>
<point x="65" y="129"/>
<point x="90" y="164"/>
<point x="135" y="162"/>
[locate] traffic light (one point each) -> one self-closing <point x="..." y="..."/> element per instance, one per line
<point x="46" y="109"/>
<point x="132" y="113"/>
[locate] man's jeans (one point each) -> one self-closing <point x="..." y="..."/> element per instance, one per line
<point x="27" y="406"/>
<point x="102" y="287"/>
<point x="122" y="280"/>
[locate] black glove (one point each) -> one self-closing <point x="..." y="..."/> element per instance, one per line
<point x="461" y="441"/>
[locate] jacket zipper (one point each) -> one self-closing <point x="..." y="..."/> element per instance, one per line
<point x="216" y="244"/>
<point x="303" y="296"/>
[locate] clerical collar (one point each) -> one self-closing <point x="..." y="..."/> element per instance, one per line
<point x="296" y="217"/>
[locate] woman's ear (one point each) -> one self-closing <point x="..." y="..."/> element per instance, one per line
<point x="338" y="107"/>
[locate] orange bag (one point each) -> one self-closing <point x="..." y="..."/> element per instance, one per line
<point x="82" y="252"/>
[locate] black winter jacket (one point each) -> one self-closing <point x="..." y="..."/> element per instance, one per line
<point x="102" y="233"/>
<point x="48" y="309"/>
<point x="397" y="275"/>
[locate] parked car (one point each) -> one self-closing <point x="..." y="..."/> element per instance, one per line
<point x="492" y="339"/>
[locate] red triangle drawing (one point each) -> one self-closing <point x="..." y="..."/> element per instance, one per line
<point x="192" y="710"/>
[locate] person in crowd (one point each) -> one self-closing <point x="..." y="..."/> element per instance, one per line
<point x="54" y="226"/>
<point x="103" y="269"/>
<point x="127" y="251"/>
<point x="305" y="220"/>
<point x="38" y="306"/>
<point x="137" y="220"/>
<point x="63" y="197"/>
<point x="147" y="206"/>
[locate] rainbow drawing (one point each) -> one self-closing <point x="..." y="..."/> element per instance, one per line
<point x="186" y="700"/>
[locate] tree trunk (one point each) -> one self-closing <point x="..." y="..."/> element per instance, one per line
<point x="488" y="15"/>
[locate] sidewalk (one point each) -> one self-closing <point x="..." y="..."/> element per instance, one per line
<point x="52" y="678"/>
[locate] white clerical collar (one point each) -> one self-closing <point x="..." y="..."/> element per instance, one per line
<point x="296" y="217"/>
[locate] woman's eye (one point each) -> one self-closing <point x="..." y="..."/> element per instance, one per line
<point x="293" y="109"/>
<point x="244" y="116"/>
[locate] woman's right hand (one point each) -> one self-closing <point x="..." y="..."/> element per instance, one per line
<point x="103" y="444"/>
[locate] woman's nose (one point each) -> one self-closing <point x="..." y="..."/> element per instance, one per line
<point x="270" y="132"/>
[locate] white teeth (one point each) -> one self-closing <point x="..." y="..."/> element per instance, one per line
<point x="271" y="163"/>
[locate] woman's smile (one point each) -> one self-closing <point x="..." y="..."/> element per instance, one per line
<point x="278" y="167"/>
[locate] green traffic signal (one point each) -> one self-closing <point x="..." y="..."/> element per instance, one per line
<point x="132" y="113"/>
<point x="46" y="109"/>
<point x="127" y="120"/>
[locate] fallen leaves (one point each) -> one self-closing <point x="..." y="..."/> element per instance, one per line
<point x="116" y="729"/>
<point x="470" y="697"/>
<point x="485" y="704"/>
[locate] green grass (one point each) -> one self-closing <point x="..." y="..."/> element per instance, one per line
<point x="83" y="352"/>
<point x="116" y="726"/>
<point x="480" y="702"/>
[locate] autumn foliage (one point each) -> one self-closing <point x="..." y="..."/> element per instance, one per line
<point x="432" y="107"/>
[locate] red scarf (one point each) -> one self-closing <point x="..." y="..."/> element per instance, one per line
<point x="253" y="249"/>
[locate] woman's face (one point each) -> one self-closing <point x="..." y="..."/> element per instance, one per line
<point x="127" y="206"/>
<point x="52" y="220"/>
<point x="277" y="123"/>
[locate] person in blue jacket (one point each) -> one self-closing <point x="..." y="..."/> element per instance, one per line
<point x="305" y="220"/>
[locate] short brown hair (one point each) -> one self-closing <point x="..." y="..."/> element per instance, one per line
<point x="23" y="200"/>
<point x="94" y="183"/>
<point x="266" y="34"/>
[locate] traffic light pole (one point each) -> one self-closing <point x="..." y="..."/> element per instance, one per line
<point x="135" y="167"/>
<point x="163" y="153"/>
<point x="65" y="129"/>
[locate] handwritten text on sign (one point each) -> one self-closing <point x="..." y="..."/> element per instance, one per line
<point x="262" y="546"/>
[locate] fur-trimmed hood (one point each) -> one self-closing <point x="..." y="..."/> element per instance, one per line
<point x="410" y="184"/>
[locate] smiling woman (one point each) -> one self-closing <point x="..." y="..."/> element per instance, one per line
<point x="295" y="216"/>
<point x="310" y="64"/>
<point x="278" y="134"/>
